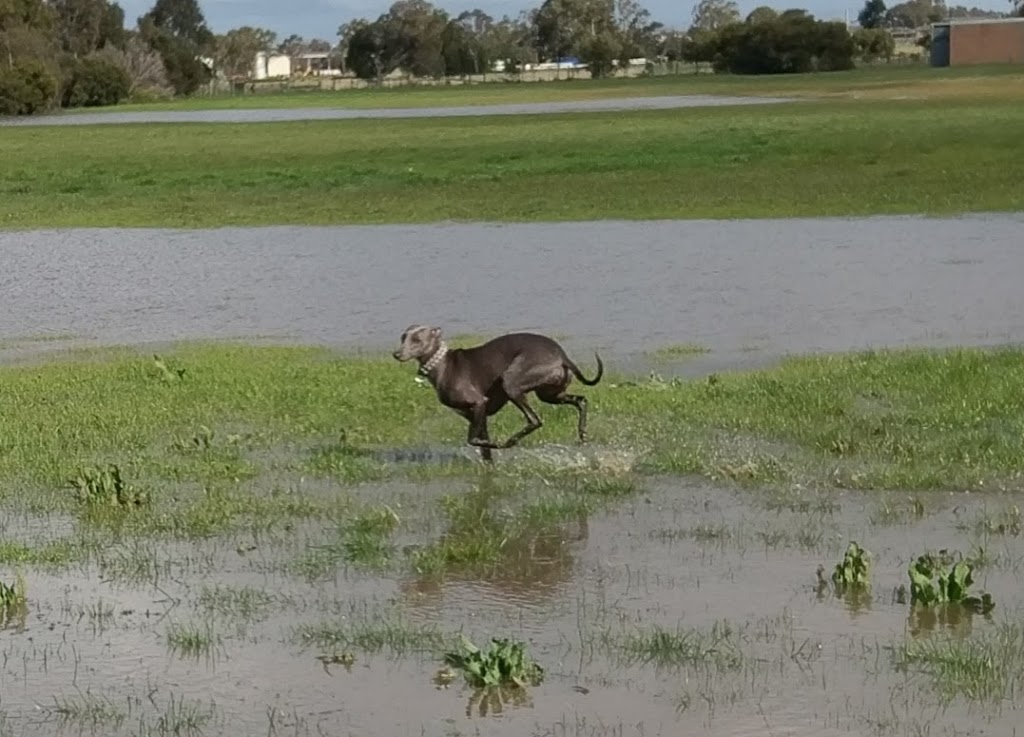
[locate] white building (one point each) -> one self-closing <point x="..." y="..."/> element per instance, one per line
<point x="271" y="66"/>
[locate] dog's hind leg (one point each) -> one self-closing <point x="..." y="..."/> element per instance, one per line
<point x="576" y="400"/>
<point x="533" y="421"/>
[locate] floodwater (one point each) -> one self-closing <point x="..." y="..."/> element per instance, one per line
<point x="775" y="654"/>
<point x="749" y="291"/>
<point x="269" y="115"/>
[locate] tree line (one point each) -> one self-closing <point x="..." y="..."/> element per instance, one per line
<point x="79" y="52"/>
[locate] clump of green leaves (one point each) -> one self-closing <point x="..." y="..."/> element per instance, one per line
<point x="854" y="571"/>
<point x="506" y="663"/>
<point x="98" y="486"/>
<point x="13" y="599"/>
<point x="12" y="595"/>
<point x="945" y="578"/>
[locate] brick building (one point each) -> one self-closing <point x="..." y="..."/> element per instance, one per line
<point x="985" y="41"/>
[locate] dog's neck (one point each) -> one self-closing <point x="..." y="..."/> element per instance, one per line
<point x="435" y="360"/>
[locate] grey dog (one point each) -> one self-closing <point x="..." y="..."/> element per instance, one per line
<point x="477" y="382"/>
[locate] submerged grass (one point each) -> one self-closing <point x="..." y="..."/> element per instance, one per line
<point x="384" y="634"/>
<point x="985" y="667"/>
<point x="835" y="157"/>
<point x="718" y="647"/>
<point x="907" y="419"/>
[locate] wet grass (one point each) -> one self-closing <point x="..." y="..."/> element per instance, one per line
<point x="718" y="647"/>
<point x="987" y="667"/>
<point x="835" y="157"/>
<point x="915" y="419"/>
<point x="192" y="640"/>
<point x="390" y="634"/>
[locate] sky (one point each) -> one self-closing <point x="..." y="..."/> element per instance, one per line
<point x="321" y="18"/>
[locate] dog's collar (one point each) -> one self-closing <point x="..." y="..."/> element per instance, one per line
<point x="435" y="360"/>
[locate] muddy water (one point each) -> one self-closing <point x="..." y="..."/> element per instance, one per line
<point x="666" y="102"/>
<point x="798" y="661"/>
<point x="748" y="290"/>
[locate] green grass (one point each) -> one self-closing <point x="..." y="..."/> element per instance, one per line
<point x="987" y="667"/>
<point x="192" y="640"/>
<point x="382" y="634"/>
<point x="913" y="419"/>
<point x="835" y="157"/>
<point x="655" y="645"/>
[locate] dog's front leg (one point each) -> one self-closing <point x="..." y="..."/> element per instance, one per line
<point x="478" y="435"/>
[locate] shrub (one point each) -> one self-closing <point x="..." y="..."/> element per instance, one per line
<point x="793" y="42"/>
<point x="26" y="88"/>
<point x="96" y="81"/>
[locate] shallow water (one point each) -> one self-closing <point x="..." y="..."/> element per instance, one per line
<point x="682" y="554"/>
<point x="747" y="290"/>
<point x="270" y="115"/>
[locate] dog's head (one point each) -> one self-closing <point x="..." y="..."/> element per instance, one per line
<point x="418" y="341"/>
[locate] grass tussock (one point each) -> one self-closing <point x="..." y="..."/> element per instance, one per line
<point x="718" y="647"/>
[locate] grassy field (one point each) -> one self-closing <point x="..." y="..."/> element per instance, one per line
<point x="802" y="159"/>
<point x="899" y="420"/>
<point x="879" y="81"/>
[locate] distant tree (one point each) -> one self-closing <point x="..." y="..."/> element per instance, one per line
<point x="177" y="30"/>
<point x="794" y="42"/>
<point x="84" y="26"/>
<point x="236" y="50"/>
<point x="710" y="20"/>
<point x="872" y="15"/>
<point x="640" y="35"/>
<point x="600" y="51"/>
<point x="96" y="80"/>
<point x="563" y="27"/>
<point x="26" y="87"/>
<point x="872" y="44"/>
<point x="144" y="68"/>
<point x="762" y="14"/>
<point x="915" y="14"/>
<point x="714" y="15"/>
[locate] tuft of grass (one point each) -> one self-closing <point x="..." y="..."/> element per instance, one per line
<point x="681" y="350"/>
<point x="362" y="540"/>
<point x="52" y="554"/>
<point x="986" y="667"/>
<point x="89" y="711"/>
<point x="244" y="603"/>
<point x="373" y="636"/>
<point x="191" y="640"/>
<point x="655" y="645"/>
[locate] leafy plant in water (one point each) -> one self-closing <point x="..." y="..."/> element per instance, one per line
<point x="944" y="578"/>
<point x="13" y="599"/>
<point x="855" y="569"/>
<point x="104" y="486"/>
<point x="504" y="664"/>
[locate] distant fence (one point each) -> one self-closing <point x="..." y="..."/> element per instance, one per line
<point x="342" y="83"/>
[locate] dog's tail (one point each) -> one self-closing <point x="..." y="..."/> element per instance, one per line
<point x="579" y="374"/>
